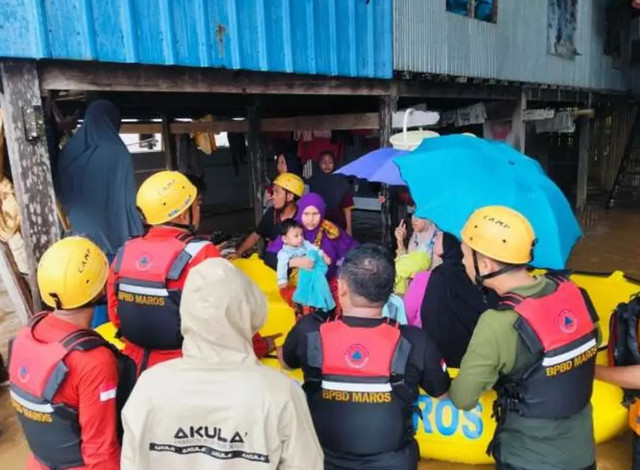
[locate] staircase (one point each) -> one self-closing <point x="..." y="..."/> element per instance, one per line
<point x="626" y="187"/>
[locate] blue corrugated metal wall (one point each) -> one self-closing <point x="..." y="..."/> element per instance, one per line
<point x="328" y="37"/>
<point x="429" y="39"/>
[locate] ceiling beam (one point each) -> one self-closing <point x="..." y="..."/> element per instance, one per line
<point x="331" y="122"/>
<point x="77" y="75"/>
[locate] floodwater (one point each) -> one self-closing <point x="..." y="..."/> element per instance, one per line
<point x="610" y="243"/>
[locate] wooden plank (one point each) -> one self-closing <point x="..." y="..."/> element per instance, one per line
<point x="29" y="159"/>
<point x="14" y="285"/>
<point x="87" y="76"/>
<point x="332" y="122"/>
<point x="385" y="117"/>
<point x="168" y="143"/>
<point x="430" y="89"/>
<point x="387" y="106"/>
<point x="62" y="75"/>
<point x="256" y="161"/>
<point x="584" y="153"/>
<point x="518" y="124"/>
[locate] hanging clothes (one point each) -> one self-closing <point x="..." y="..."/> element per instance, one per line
<point x="188" y="157"/>
<point x="312" y="149"/>
<point x="238" y="148"/>
<point x="205" y="141"/>
<point x="94" y="180"/>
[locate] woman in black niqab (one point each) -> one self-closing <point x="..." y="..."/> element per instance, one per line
<point x="452" y="304"/>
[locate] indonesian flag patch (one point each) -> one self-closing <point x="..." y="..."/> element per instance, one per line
<point x="443" y="365"/>
<point x="107" y="391"/>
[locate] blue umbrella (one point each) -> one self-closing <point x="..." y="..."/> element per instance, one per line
<point x="449" y="177"/>
<point x="376" y="166"/>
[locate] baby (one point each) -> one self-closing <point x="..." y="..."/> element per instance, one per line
<point x="418" y="255"/>
<point x="313" y="288"/>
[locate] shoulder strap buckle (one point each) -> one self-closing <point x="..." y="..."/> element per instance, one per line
<point x="191" y="248"/>
<point x="83" y="340"/>
<point x="511" y="300"/>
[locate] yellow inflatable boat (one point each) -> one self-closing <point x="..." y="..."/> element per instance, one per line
<point x="445" y="432"/>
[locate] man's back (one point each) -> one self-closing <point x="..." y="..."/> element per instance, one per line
<point x="363" y="372"/>
<point x="217" y="418"/>
<point x="495" y="350"/>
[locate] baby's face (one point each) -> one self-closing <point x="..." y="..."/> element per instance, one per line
<point x="294" y="237"/>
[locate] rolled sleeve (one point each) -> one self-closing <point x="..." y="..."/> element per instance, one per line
<point x="435" y="378"/>
<point x="492" y="350"/>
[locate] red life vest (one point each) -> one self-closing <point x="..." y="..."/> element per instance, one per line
<point x="356" y="409"/>
<point x="560" y="328"/>
<point x="36" y="372"/>
<point x="149" y="310"/>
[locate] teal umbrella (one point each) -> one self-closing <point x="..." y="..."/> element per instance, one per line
<point x="451" y="176"/>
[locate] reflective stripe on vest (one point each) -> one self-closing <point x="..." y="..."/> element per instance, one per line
<point x="30" y="405"/>
<point x="136" y="289"/>
<point x="356" y="387"/>
<point x="36" y="371"/>
<point x="147" y="307"/>
<point x="571" y="354"/>
<point x="560" y="328"/>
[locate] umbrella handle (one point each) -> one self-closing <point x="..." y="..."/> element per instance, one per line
<point x="405" y="121"/>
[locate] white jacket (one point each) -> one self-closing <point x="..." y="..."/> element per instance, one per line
<point x="218" y="407"/>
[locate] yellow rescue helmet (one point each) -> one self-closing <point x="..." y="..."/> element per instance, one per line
<point x="164" y="196"/>
<point x="291" y="182"/>
<point x="500" y="233"/>
<point x="72" y="272"/>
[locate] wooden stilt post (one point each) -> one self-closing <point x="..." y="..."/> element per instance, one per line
<point x="585" y="127"/>
<point x="15" y="285"/>
<point x="387" y="107"/>
<point x="518" y="124"/>
<point x="29" y="159"/>
<point x="256" y="161"/>
<point x="168" y="143"/>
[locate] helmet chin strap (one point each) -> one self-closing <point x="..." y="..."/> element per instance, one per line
<point x="189" y="227"/>
<point x="480" y="278"/>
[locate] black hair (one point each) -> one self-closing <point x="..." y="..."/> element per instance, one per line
<point x="327" y="152"/>
<point x="289" y="224"/>
<point x="370" y="272"/>
<point x="198" y="182"/>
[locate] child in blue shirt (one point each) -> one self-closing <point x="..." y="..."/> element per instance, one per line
<point x="313" y="288"/>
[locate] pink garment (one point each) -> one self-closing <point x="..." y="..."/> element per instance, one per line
<point x="414" y="297"/>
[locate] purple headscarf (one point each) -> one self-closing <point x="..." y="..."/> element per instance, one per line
<point x="335" y="242"/>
